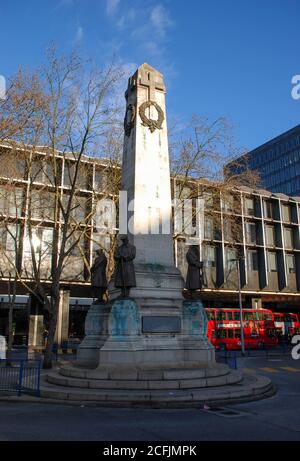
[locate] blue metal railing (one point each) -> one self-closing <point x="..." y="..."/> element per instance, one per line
<point x="20" y="376"/>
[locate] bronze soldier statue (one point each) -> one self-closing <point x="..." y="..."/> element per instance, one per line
<point x="98" y="276"/>
<point x="194" y="278"/>
<point x="124" y="273"/>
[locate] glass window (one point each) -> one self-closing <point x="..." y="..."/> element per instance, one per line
<point x="208" y="228"/>
<point x="221" y="315"/>
<point x="286" y="213"/>
<point x="183" y="192"/>
<point x="268" y="209"/>
<point x="230" y="258"/>
<point x="42" y="171"/>
<point x="209" y="256"/>
<point x="99" y="179"/>
<point x="227" y="229"/>
<point x="82" y="175"/>
<point x="290" y="264"/>
<point x="252" y="260"/>
<point x="208" y="199"/>
<point x="237" y="333"/>
<point x="267" y="316"/>
<point x="250" y="232"/>
<point x="229" y="316"/>
<point x="288" y="238"/>
<point x="272" y="262"/>
<point x="228" y="203"/>
<point x="270" y="235"/>
<point x="9" y="237"/>
<point x="11" y="201"/>
<point x="42" y="204"/>
<point x="236" y="316"/>
<point x="249" y="206"/>
<point x="230" y="333"/>
<point x="78" y="207"/>
<point x="222" y="333"/>
<point x="210" y="315"/>
<point x="102" y="241"/>
<point x="248" y="316"/>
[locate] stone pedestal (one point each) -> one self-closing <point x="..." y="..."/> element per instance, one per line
<point x="96" y="333"/>
<point x="127" y="334"/>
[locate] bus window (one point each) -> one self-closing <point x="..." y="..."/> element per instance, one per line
<point x="237" y="333"/>
<point x="248" y="316"/>
<point x="221" y="334"/>
<point x="267" y="316"/>
<point x="236" y="315"/>
<point x="230" y="333"/>
<point x="221" y="315"/>
<point x="277" y="318"/>
<point x="213" y="334"/>
<point x="210" y="315"/>
<point x="229" y="316"/>
<point x="260" y="316"/>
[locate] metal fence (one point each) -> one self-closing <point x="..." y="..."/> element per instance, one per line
<point x="20" y="376"/>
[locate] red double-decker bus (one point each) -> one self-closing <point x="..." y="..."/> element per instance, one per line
<point x="224" y="330"/>
<point x="287" y="324"/>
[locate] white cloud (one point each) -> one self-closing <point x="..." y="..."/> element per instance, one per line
<point x="79" y="34"/>
<point x="64" y="4"/>
<point x="160" y="19"/>
<point x="112" y="6"/>
<point x="126" y="19"/>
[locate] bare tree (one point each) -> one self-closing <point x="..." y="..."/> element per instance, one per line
<point x="199" y="152"/>
<point x="72" y="115"/>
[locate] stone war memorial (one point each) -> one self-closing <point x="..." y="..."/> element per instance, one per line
<point x="148" y="345"/>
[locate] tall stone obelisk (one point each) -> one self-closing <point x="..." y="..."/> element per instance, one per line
<point x="155" y="327"/>
<point x="146" y="180"/>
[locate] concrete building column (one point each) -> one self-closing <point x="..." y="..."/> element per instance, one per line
<point x="256" y="303"/>
<point x="36" y="324"/>
<point x="62" y="329"/>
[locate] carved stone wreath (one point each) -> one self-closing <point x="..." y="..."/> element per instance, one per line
<point x="152" y="124"/>
<point x="129" y="124"/>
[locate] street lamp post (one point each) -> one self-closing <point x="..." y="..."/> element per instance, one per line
<point x="237" y="260"/>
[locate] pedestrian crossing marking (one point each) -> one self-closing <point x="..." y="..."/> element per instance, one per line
<point x="293" y="370"/>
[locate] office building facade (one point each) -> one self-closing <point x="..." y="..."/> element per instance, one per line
<point x="259" y="227"/>
<point x="277" y="163"/>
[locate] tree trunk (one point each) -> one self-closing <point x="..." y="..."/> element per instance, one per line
<point x="10" y="333"/>
<point x="47" y="363"/>
<point x="12" y="301"/>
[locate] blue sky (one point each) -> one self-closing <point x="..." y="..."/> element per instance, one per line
<point x="232" y="58"/>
